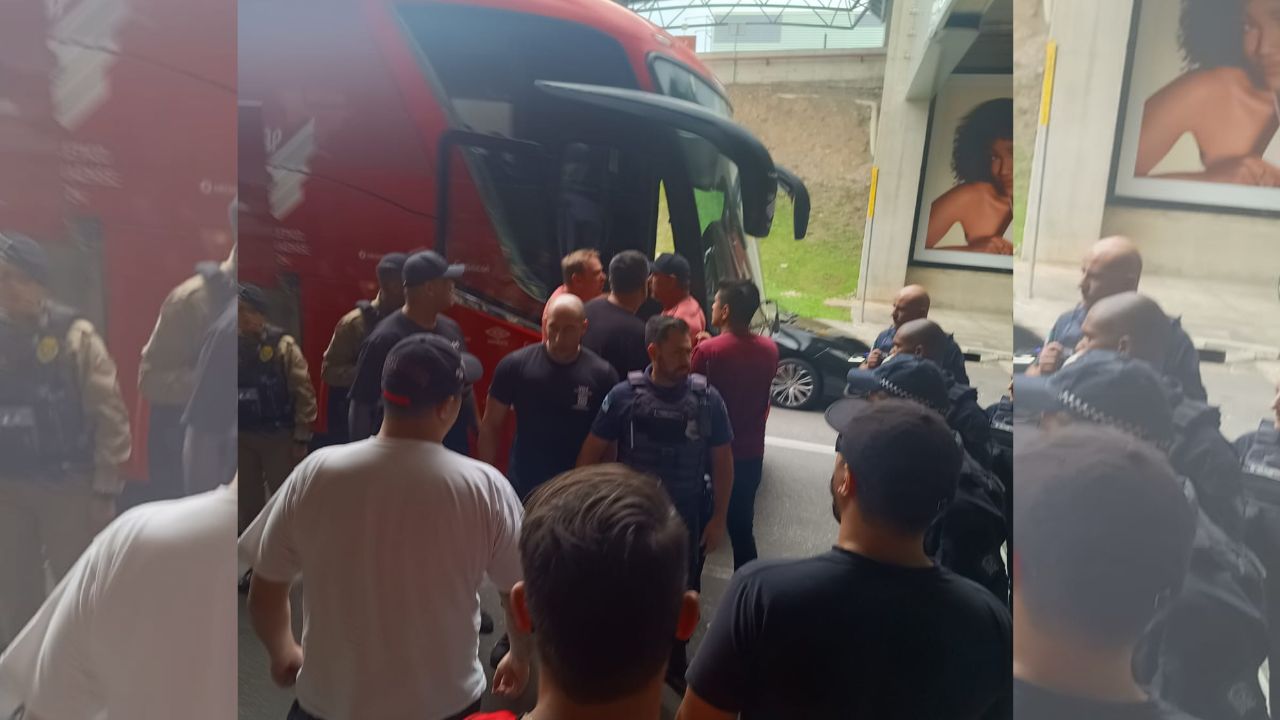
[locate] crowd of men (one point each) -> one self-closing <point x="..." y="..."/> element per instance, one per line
<point x="1140" y="571"/>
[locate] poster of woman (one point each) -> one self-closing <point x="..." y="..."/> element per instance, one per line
<point x="965" y="213"/>
<point x="1200" y="114"/>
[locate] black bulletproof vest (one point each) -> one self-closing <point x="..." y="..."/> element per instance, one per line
<point x="264" y="398"/>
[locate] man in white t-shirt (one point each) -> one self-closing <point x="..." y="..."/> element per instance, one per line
<point x="392" y="537"/>
<point x="142" y="627"/>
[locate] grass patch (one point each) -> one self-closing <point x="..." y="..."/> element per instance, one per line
<point x="1021" y="186"/>
<point x="800" y="276"/>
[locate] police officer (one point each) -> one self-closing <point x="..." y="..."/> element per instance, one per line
<point x="1260" y="462"/>
<point x="276" y="405"/>
<point x="1260" y="450"/>
<point x="912" y="303"/>
<point x="167" y="372"/>
<point x="925" y="338"/>
<point x="1204" y="650"/>
<point x="666" y="422"/>
<point x="1135" y="326"/>
<point x="968" y="534"/>
<point x="338" y="368"/>
<point x="64" y="431"/>
<point x="1114" y="266"/>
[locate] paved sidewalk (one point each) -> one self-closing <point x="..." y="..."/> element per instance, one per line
<point x="1242" y="321"/>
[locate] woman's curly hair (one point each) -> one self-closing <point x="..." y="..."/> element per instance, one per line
<point x="1211" y="34"/>
<point x="971" y="153"/>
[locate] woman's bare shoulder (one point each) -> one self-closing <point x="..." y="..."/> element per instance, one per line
<point x="1201" y="86"/>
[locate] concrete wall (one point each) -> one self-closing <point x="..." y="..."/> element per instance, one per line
<point x="807" y="66"/>
<point x="899" y="151"/>
<point x="1075" y="163"/>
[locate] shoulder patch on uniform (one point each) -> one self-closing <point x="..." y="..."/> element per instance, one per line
<point x="266" y="352"/>
<point x="47" y="349"/>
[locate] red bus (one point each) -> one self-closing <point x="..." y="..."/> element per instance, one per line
<point x="117" y="135"/>
<point x="501" y="133"/>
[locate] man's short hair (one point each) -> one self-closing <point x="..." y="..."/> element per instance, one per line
<point x="628" y="272"/>
<point x="1104" y="531"/>
<point x="742" y="297"/>
<point x="604" y="558"/>
<point x="576" y="262"/>
<point x="660" y="327"/>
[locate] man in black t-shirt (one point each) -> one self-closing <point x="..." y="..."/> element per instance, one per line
<point x="614" y="332"/>
<point x="428" y="287"/>
<point x="872" y="628"/>
<point x="556" y="388"/>
<point x="1104" y="538"/>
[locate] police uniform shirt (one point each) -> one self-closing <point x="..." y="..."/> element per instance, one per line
<point x="952" y="355"/>
<point x="555" y="406"/>
<point x="1182" y="362"/>
<point x="841" y="635"/>
<point x="298" y="376"/>
<point x="615" y="413"/>
<point x="367" y="388"/>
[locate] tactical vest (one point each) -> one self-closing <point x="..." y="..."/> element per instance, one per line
<point x="670" y="439"/>
<point x="1193" y="422"/>
<point x="265" y="401"/>
<point x="1001" y="416"/>
<point x="968" y="534"/>
<point x="44" y="433"/>
<point x="1261" y="460"/>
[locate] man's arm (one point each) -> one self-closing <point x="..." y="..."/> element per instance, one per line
<point x="102" y="401"/>
<point x="300" y="388"/>
<point x="338" y="366"/>
<point x="595" y="450"/>
<point x="272" y="618"/>
<point x="165" y="376"/>
<point x="512" y="675"/>
<point x="722" y="489"/>
<point x="495" y="416"/>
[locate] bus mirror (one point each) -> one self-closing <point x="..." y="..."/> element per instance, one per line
<point x="794" y="187"/>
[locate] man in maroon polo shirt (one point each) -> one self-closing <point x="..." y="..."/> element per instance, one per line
<point x="741" y="365"/>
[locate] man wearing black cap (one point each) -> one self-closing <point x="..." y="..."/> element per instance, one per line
<point x="970" y="532"/>
<point x="1205" y="647"/>
<point x="276" y="404"/>
<point x="391" y="537"/>
<point x="64" y="432"/>
<point x="338" y="368"/>
<point x="872" y="628"/>
<point x="428" y="292"/>
<point x="1081" y="607"/>
<point x="670" y="286"/>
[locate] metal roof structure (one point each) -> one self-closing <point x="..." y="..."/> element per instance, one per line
<point x="695" y="14"/>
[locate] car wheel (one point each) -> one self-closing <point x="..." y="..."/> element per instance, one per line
<point x="796" y="385"/>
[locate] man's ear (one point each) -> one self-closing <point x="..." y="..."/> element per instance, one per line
<point x="689" y="615"/>
<point x="520" y="609"/>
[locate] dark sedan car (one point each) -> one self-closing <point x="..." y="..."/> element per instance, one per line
<point x="813" y="360"/>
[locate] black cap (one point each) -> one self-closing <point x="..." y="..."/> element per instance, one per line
<point x="424" y="369"/>
<point x="905" y="376"/>
<point x="674" y="265"/>
<point x="1104" y="388"/>
<point x="254" y="297"/>
<point x="905" y="457"/>
<point x="427" y="265"/>
<point x="392" y="263"/>
<point x="26" y="255"/>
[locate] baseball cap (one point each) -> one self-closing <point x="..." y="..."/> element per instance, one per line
<point x="674" y="265"/>
<point x="392" y="263"/>
<point x="906" y="458"/>
<point x="254" y="297"/>
<point x="905" y="376"/>
<point x="1104" y="388"/>
<point x="424" y="369"/>
<point x="427" y="265"/>
<point x="26" y="255"/>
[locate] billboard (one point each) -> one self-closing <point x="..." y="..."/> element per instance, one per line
<point x="1199" y="115"/>
<point x="964" y="212"/>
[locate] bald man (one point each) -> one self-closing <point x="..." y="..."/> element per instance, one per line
<point x="1113" y="266"/>
<point x="555" y="388"/>
<point x="926" y="339"/>
<point x="1134" y="325"/>
<point x="912" y="303"/>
